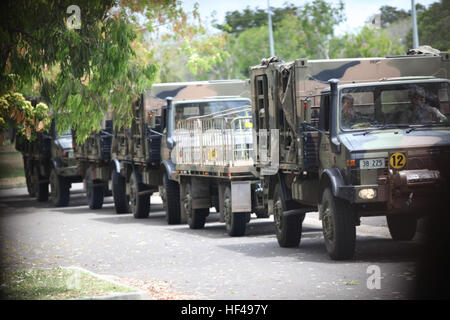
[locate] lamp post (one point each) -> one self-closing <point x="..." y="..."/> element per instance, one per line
<point x="414" y="25"/>
<point x="269" y="13"/>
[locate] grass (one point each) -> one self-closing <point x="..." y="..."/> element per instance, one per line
<point x="54" y="284"/>
<point x="11" y="167"/>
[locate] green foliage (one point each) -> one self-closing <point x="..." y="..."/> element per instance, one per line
<point x="237" y="22"/>
<point x="250" y="47"/>
<point x="433" y="24"/>
<point x="369" y="42"/>
<point x="195" y="53"/>
<point x="307" y="34"/>
<point x="17" y="112"/>
<point x="82" y="72"/>
<point x="391" y="14"/>
<point x="303" y="32"/>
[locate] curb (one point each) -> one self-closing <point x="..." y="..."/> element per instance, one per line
<point x="137" y="295"/>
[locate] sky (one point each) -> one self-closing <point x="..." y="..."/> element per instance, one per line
<point x="356" y="11"/>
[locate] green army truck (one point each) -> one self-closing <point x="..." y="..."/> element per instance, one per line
<point x="94" y="157"/>
<point x="214" y="165"/>
<point x="388" y="156"/>
<point x="142" y="155"/>
<point x="48" y="160"/>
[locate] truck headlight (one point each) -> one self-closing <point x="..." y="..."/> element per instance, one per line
<point x="367" y="194"/>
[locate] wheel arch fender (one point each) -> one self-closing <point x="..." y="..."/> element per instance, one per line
<point x="168" y="168"/>
<point x="332" y="178"/>
<point x="115" y="163"/>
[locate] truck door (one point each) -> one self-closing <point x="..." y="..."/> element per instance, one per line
<point x="266" y="148"/>
<point x="286" y="116"/>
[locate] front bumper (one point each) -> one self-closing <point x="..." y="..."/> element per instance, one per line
<point x="401" y="190"/>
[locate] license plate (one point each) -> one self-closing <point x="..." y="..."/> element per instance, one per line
<point x="372" y="163"/>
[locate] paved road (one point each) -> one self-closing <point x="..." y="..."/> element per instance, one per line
<point x="207" y="263"/>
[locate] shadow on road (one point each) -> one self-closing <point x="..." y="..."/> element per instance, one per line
<point x="312" y="249"/>
<point x="77" y="198"/>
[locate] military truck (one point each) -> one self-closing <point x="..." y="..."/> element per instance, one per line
<point x="94" y="157"/>
<point x="49" y="160"/>
<point x="214" y="165"/>
<point x="391" y="159"/>
<point x="142" y="155"/>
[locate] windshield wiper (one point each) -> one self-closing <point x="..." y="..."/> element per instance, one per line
<point x="425" y="125"/>
<point x="385" y="126"/>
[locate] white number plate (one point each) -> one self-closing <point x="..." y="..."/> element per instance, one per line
<point x="372" y="163"/>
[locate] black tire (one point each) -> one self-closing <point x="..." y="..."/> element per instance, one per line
<point x="235" y="222"/>
<point x="31" y="188"/>
<point x="196" y="218"/>
<point x="121" y="200"/>
<point x="60" y="189"/>
<point x="402" y="228"/>
<point x="41" y="189"/>
<point x="94" y="194"/>
<point x="172" y="199"/>
<point x="140" y="204"/>
<point x="338" y="223"/>
<point x="288" y="227"/>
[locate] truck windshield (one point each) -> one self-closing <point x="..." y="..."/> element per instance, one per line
<point x="195" y="109"/>
<point x="394" y="105"/>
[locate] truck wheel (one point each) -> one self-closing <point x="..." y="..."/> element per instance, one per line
<point x="288" y="227"/>
<point x="172" y="199"/>
<point x="140" y="204"/>
<point x="31" y="188"/>
<point x="401" y="228"/>
<point x="196" y="218"/>
<point x="94" y="194"/>
<point x="41" y="189"/>
<point x="121" y="200"/>
<point x="59" y="187"/>
<point x="235" y="222"/>
<point x="338" y="226"/>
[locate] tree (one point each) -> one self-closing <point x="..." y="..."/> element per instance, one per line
<point x="103" y="63"/>
<point x="432" y="25"/>
<point x="237" y="22"/>
<point x="369" y="42"/>
<point x="308" y="33"/>
<point x="301" y="33"/>
<point x="18" y="112"/>
<point x="391" y="14"/>
<point x="249" y="48"/>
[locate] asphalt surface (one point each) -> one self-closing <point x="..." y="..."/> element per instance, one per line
<point x="206" y="263"/>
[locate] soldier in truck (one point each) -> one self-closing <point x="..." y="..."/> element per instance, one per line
<point x="420" y="111"/>
<point x="348" y="112"/>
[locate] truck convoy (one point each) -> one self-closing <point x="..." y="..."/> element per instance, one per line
<point x="352" y="138"/>
<point x="348" y="138"/>
<point x="143" y="156"/>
